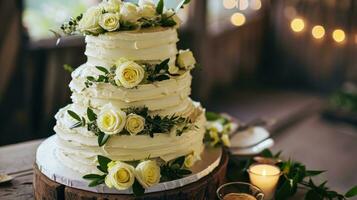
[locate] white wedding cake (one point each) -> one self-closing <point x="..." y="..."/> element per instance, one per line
<point x="131" y="120"/>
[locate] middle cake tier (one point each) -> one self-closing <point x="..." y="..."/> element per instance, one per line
<point x="167" y="97"/>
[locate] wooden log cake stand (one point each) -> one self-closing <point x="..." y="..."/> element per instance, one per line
<point x="203" y="189"/>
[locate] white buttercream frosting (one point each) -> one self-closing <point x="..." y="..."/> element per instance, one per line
<point x="78" y="148"/>
<point x="152" y="44"/>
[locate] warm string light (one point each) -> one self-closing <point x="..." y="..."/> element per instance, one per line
<point x="242" y="4"/>
<point x="238" y="19"/>
<point x="297" y="25"/>
<point x="318" y="32"/>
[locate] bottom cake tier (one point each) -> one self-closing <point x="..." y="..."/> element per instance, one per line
<point x="50" y="166"/>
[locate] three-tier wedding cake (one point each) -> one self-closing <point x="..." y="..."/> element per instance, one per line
<point x="132" y="122"/>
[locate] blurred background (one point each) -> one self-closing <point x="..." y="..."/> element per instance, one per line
<point x="291" y="60"/>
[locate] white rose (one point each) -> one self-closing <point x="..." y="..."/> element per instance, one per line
<point x="225" y="140"/>
<point x="173" y="69"/>
<point x="185" y="59"/>
<point x="129" y="12"/>
<point x="134" y="124"/>
<point x="109" y="21"/>
<point x="142" y="3"/>
<point x="112" y="6"/>
<point x="215" y="126"/>
<point x="190" y="160"/>
<point x="90" y="21"/>
<point x="148" y="173"/>
<point x="111" y="120"/>
<point x="129" y="74"/>
<point x="120" y="175"/>
<point x="148" y="11"/>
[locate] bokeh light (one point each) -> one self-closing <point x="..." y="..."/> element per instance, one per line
<point x="243" y="4"/>
<point x="297" y="25"/>
<point x="318" y="32"/>
<point x="230" y="4"/>
<point x="255" y="4"/>
<point x="238" y="19"/>
<point x="339" y="35"/>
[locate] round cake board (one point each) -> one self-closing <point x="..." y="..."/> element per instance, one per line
<point x="49" y="171"/>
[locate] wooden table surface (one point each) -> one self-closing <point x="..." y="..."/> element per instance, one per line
<point x="307" y="138"/>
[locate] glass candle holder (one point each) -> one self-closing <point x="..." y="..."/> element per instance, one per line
<point x="239" y="190"/>
<point x="265" y="177"/>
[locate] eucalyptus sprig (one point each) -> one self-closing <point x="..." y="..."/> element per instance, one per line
<point x="106" y="77"/>
<point x="174" y="170"/>
<point x="159" y="72"/>
<point x="295" y="175"/>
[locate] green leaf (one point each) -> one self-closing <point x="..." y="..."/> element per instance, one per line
<point x="212" y="116"/>
<point x="184" y="172"/>
<point x="101" y="169"/>
<point x="96" y="182"/>
<point x="76" y="125"/>
<point x="102" y="139"/>
<point x="313" y="195"/>
<point x="103" y="162"/>
<point x="160" y="7"/>
<point x="267" y="153"/>
<point x="91" y="78"/>
<point x="91" y="115"/>
<point x="92" y="176"/>
<point x="284" y="190"/>
<point x="310" y="173"/>
<point x="74" y="115"/>
<point x="187" y="1"/>
<point x="102" y="69"/>
<point x="138" y="189"/>
<point x="179" y="161"/>
<point x="352" y="192"/>
<point x="68" y="68"/>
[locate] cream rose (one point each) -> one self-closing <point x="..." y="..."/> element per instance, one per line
<point x="129" y="74"/>
<point x="111" y="120"/>
<point x="147" y="9"/>
<point x="120" y="175"/>
<point x="90" y="21"/>
<point x="109" y="21"/>
<point x="129" y="12"/>
<point x="225" y="140"/>
<point x="111" y="6"/>
<point x="173" y="69"/>
<point x="148" y="173"/>
<point x="185" y="59"/>
<point x="134" y="124"/>
<point x="190" y="160"/>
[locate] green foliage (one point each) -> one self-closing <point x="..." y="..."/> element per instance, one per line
<point x="158" y="73"/>
<point x="102" y="138"/>
<point x="68" y="68"/>
<point x="174" y="170"/>
<point x="70" y="27"/>
<point x="160" y="7"/>
<point x="352" y="192"/>
<point x="344" y="100"/>
<point x="80" y="121"/>
<point x="138" y="189"/>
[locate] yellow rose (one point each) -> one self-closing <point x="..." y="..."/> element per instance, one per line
<point x="147" y="9"/>
<point x="225" y="140"/>
<point x="111" y="120"/>
<point x="190" y="160"/>
<point x="148" y="173"/>
<point x="185" y="59"/>
<point x="120" y="175"/>
<point x="173" y="69"/>
<point x="129" y="12"/>
<point x="111" y="6"/>
<point x="129" y="74"/>
<point x="109" y="21"/>
<point x="90" y="21"/>
<point x="134" y="124"/>
<point x="215" y="126"/>
<point x="214" y="136"/>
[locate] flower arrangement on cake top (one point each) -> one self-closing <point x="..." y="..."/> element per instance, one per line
<point x="115" y="15"/>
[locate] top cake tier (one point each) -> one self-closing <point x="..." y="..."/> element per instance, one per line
<point x="150" y="45"/>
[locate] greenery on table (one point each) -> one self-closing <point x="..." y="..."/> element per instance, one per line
<point x="342" y="100"/>
<point x="295" y="177"/>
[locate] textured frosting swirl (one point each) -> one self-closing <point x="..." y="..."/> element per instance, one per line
<point x="152" y="44"/>
<point x="77" y="148"/>
<point x="156" y="96"/>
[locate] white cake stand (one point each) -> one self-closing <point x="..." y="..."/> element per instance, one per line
<point x="50" y="166"/>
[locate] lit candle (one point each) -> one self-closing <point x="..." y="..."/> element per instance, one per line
<point x="265" y="177"/>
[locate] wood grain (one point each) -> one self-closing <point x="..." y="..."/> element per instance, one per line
<point x="203" y="189"/>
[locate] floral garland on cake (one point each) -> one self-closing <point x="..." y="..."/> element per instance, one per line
<point x="139" y="175"/>
<point x="111" y="120"/>
<point x="129" y="74"/>
<point x="115" y="15"/>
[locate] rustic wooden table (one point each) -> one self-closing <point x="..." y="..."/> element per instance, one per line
<point x="302" y="135"/>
